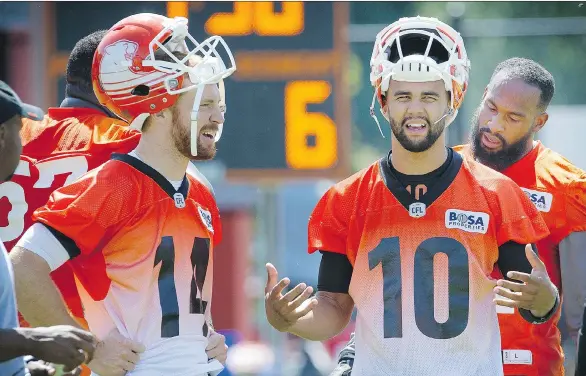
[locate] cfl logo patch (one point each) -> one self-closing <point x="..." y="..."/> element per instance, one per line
<point x="541" y="200"/>
<point x="417" y="209"/>
<point x="467" y="220"/>
<point x="179" y="200"/>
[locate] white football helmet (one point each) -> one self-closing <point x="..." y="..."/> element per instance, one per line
<point x="419" y="49"/>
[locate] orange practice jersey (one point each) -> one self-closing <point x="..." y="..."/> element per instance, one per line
<point x="422" y="269"/>
<point x="66" y="144"/>
<point x="141" y="253"/>
<point x="556" y="187"/>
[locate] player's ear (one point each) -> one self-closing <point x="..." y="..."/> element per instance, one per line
<point x="540" y="121"/>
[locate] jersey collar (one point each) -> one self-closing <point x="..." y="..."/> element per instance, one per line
<point x="154" y="175"/>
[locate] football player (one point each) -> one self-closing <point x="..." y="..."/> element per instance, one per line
<point x="412" y="240"/>
<point x="72" y="139"/>
<point x="512" y="111"/>
<point x="123" y="225"/>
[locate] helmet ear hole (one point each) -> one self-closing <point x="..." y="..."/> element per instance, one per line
<point x="141" y="90"/>
<point x="166" y="40"/>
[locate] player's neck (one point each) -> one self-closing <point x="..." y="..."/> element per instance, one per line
<point x="161" y="156"/>
<point x="410" y="163"/>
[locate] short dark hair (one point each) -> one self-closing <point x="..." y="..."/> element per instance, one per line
<point x="532" y="73"/>
<point x="79" y="65"/>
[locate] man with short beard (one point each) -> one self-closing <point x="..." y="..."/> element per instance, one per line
<point x="138" y="231"/>
<point x="512" y="111"/>
<point x="411" y="240"/>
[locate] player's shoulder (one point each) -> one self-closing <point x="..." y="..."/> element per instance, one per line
<point x="199" y="178"/>
<point x="73" y="130"/>
<point x="554" y="171"/>
<point x="114" y="175"/>
<point x="362" y="181"/>
<point x="489" y="180"/>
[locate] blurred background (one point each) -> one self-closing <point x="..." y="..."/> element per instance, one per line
<point x="298" y="120"/>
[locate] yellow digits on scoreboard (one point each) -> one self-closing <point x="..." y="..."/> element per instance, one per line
<point x="177" y="9"/>
<point x="301" y="124"/>
<point x="259" y="18"/>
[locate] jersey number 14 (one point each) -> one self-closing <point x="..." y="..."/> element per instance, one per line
<point x="165" y="255"/>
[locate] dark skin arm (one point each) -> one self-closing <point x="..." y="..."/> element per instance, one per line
<point x="58" y="344"/>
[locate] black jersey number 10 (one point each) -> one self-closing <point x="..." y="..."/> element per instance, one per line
<point x="388" y="254"/>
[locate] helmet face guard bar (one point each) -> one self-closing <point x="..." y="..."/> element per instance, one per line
<point x="202" y="63"/>
<point x="419" y="49"/>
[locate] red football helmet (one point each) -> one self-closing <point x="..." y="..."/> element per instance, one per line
<point x="420" y="49"/>
<point x="132" y="83"/>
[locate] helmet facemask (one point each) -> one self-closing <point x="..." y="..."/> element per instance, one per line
<point x="205" y="63"/>
<point x="419" y="50"/>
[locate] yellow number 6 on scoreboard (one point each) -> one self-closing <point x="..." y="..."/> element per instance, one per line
<point x="299" y="124"/>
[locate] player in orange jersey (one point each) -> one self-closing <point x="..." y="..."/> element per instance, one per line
<point x="123" y="225"/>
<point x="72" y="139"/>
<point x="412" y="240"/>
<point x="512" y="111"/>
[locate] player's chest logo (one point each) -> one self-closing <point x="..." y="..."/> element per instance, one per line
<point x="417" y="209"/>
<point x="468" y="221"/>
<point x="206" y="218"/>
<point x="541" y="200"/>
<point x="179" y="200"/>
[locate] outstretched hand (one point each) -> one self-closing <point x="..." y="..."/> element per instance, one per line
<point x="534" y="292"/>
<point x="283" y="311"/>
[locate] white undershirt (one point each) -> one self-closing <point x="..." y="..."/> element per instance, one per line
<point x="175" y="183"/>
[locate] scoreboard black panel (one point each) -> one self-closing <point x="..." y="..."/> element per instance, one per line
<point x="288" y="108"/>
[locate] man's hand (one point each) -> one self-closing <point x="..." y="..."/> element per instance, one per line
<point x="115" y="355"/>
<point x="40" y="368"/>
<point x="536" y="292"/>
<point x="283" y="311"/>
<point x="62" y="344"/>
<point x="217" y="348"/>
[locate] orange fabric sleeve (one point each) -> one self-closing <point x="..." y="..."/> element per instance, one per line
<point x="85" y="210"/>
<point x="519" y="220"/>
<point x="330" y="219"/>
<point x="576" y="204"/>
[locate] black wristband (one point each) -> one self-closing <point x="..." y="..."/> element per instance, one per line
<point x="528" y="316"/>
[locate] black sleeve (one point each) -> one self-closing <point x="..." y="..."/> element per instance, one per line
<point x="581" y="358"/>
<point x="512" y="258"/>
<point x="335" y="273"/>
<point x="68" y="244"/>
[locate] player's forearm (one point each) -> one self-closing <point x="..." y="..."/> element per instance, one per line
<point x="327" y="319"/>
<point x="14" y="343"/>
<point x="37" y="297"/>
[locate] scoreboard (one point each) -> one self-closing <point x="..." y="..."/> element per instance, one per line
<point x="288" y="108"/>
